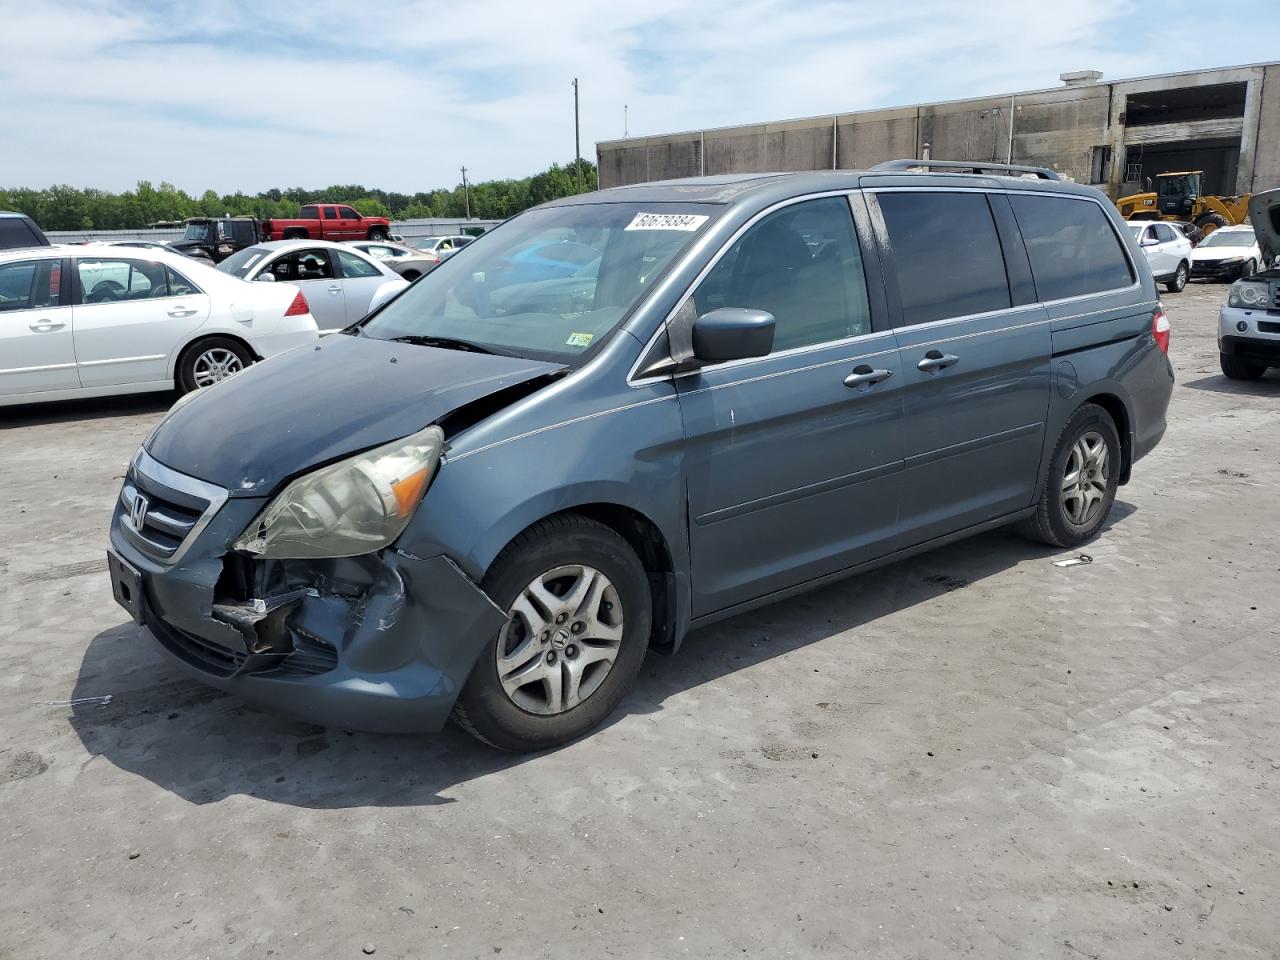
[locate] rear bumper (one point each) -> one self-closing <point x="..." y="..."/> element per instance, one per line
<point x="289" y="333"/>
<point x="381" y="643"/>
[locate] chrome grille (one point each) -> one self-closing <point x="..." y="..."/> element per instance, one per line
<point x="162" y="511"/>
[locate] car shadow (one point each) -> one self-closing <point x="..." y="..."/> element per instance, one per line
<point x="1217" y="383"/>
<point x="204" y="745"/>
<point x="97" y="408"/>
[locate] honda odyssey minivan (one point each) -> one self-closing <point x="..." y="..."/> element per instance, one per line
<point x="492" y="496"/>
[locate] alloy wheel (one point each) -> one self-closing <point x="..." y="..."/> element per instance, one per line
<point x="214" y="365"/>
<point x="1085" y="479"/>
<point x="561" y="639"/>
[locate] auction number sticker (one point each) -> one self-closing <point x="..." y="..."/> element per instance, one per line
<point x="687" y="222"/>
<point x="579" y="339"/>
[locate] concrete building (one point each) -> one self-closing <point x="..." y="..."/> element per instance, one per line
<point x="1112" y="134"/>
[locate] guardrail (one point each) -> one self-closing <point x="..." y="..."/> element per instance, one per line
<point x="409" y="229"/>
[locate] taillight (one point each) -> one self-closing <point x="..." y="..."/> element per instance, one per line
<point x="300" y="306"/>
<point x="1159" y="328"/>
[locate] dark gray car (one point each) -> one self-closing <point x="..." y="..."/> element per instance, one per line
<point x="491" y="506"/>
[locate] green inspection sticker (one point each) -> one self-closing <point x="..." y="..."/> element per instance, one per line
<point x="579" y="339"/>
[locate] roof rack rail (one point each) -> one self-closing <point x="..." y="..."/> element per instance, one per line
<point x="978" y="166"/>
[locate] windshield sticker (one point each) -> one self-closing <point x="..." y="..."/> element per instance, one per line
<point x="581" y="339"/>
<point x="251" y="261"/>
<point x="687" y="222"/>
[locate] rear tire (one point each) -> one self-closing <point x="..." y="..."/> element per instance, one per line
<point x="1233" y="368"/>
<point x="210" y="361"/>
<point x="295" y="234"/>
<point x="411" y="275"/>
<point x="1210" y="222"/>
<point x="1178" y="282"/>
<point x="531" y="702"/>
<point x="1084" y="473"/>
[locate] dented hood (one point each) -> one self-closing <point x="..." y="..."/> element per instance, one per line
<point x="1264" y="215"/>
<point x="317" y="404"/>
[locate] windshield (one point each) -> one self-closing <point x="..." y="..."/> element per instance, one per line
<point x="547" y="284"/>
<point x="242" y="261"/>
<point x="196" y="231"/>
<point x="1231" y="238"/>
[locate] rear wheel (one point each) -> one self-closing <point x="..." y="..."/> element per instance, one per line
<point x="411" y="275"/>
<point x="211" y="361"/>
<point x="1178" y="282"/>
<point x="296" y="233"/>
<point x="1081" y="486"/>
<point x="1236" y="369"/>
<point x="1209" y="222"/>
<point x="579" y="618"/>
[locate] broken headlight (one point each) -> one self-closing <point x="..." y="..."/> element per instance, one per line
<point x="348" y="508"/>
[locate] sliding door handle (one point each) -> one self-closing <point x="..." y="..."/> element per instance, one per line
<point x="935" y="360"/>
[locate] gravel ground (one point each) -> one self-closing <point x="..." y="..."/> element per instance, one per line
<point x="970" y="752"/>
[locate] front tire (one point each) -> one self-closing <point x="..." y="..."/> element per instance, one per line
<point x="1084" y="474"/>
<point x="377" y="233"/>
<point x="1233" y="368"/>
<point x="1178" y="282"/>
<point x="211" y="361"/>
<point x="1210" y="222"/>
<point x="580" y="615"/>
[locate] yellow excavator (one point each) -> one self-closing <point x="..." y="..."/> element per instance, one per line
<point x="1178" y="196"/>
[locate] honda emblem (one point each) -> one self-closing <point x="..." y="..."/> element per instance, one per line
<point x="138" y="511"/>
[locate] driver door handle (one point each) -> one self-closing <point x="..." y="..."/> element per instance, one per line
<point x="864" y="376"/>
<point x="47" y="326"/>
<point x="935" y="360"/>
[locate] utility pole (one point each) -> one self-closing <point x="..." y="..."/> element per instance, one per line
<point x="577" y="141"/>
<point x="625" y="134"/>
<point x="466" y="193"/>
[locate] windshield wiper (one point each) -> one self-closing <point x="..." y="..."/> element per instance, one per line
<point x="447" y="343"/>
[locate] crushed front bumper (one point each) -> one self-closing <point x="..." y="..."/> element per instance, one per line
<point x="381" y="643"/>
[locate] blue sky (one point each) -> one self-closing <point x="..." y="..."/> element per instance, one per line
<point x="234" y="94"/>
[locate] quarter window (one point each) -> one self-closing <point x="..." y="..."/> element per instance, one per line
<point x="30" y="284"/>
<point x="801" y="264"/>
<point x="1072" y="247"/>
<point x="353" y="266"/>
<point x="946" y="255"/>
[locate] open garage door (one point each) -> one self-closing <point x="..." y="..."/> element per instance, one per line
<point x="1188" y="128"/>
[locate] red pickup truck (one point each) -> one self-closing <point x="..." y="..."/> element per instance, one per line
<point x="328" y="221"/>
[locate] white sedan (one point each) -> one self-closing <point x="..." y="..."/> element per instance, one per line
<point x="91" y="321"/>
<point x="1229" y="253"/>
<point x="342" y="284"/>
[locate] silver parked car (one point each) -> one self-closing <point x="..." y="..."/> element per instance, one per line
<point x="340" y="283"/>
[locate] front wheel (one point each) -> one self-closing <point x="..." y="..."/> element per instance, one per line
<point x="211" y="361"/>
<point x="579" y="617"/>
<point x="377" y="233"/>
<point x="1178" y="282"/>
<point x="1233" y="368"/>
<point x="1081" y="486"/>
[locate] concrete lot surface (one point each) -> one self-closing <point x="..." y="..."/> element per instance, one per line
<point x="969" y="753"/>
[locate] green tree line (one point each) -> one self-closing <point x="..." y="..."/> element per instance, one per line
<point x="65" y="207"/>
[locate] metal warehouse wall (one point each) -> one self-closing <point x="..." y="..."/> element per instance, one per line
<point x="1058" y="128"/>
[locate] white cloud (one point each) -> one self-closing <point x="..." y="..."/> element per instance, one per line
<point x="237" y="95"/>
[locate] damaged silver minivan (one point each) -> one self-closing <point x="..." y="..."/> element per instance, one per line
<point x="626" y="414"/>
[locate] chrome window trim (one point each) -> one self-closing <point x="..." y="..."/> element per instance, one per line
<point x="153" y="469"/>
<point x="711" y="264"/>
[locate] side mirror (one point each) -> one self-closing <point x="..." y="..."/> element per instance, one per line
<point x="1149" y="241"/>
<point x="384" y="294"/>
<point x="266" y="276"/>
<point x="732" y="333"/>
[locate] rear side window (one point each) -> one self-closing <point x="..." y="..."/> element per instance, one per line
<point x="946" y="254"/>
<point x="30" y="284"/>
<point x="1073" y="249"/>
<point x="331" y="213"/>
<point x="801" y="264"/>
<point x="15" y="233"/>
<point x="309" y="213"/>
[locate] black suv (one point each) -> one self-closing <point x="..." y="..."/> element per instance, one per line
<point x="19" y="230"/>
<point x="216" y="238"/>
